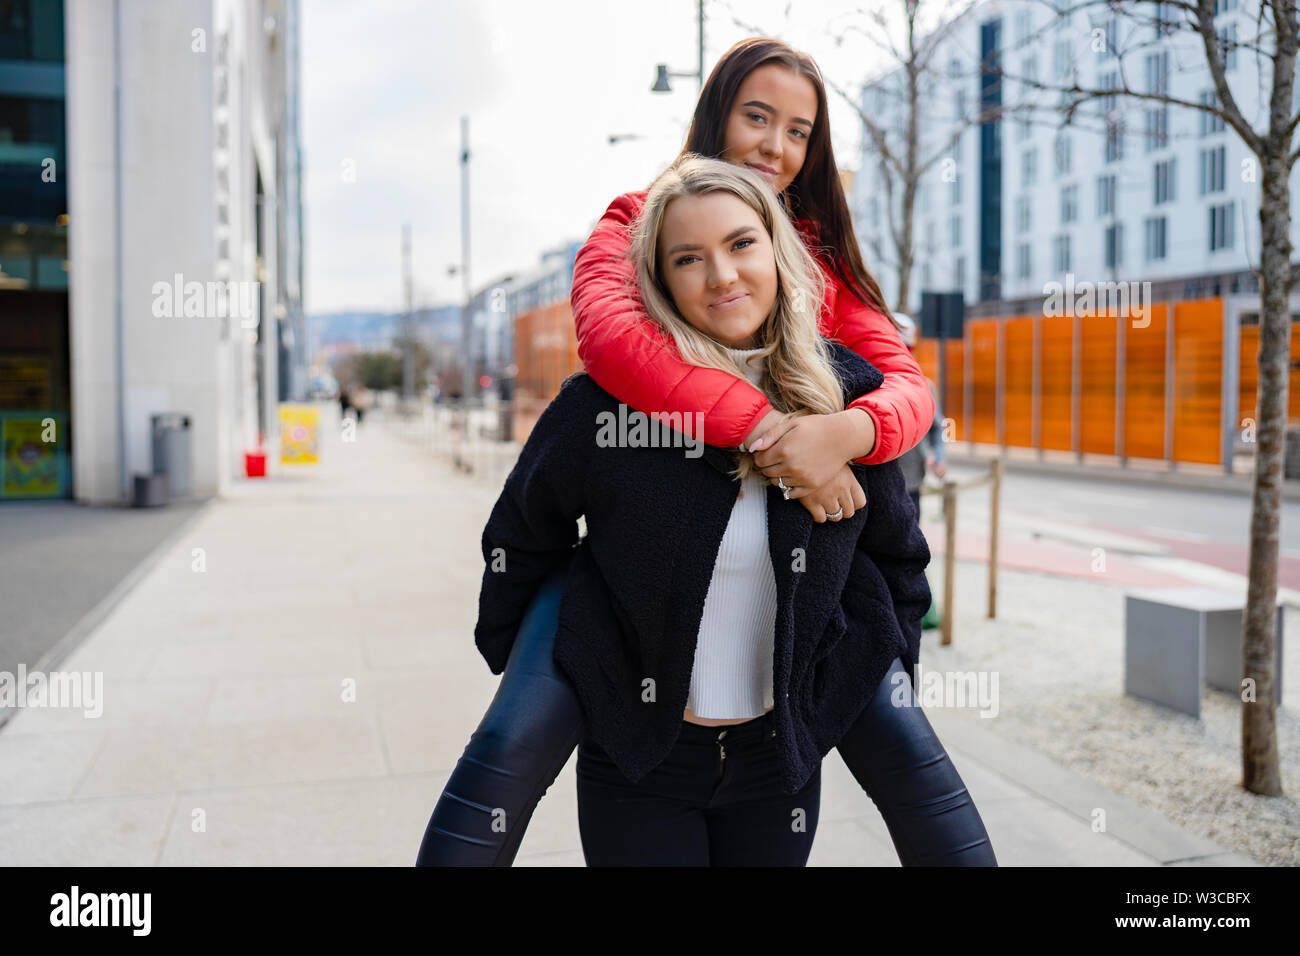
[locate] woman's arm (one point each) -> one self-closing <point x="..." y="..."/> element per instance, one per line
<point x="902" y="409"/>
<point x="534" y="524"/>
<point x="630" y="357"/>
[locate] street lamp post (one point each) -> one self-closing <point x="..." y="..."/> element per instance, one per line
<point x="466" y="376"/>
<point x="661" y="84"/>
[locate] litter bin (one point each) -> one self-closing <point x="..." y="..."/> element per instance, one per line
<point x="1291" y="454"/>
<point x="171" y="451"/>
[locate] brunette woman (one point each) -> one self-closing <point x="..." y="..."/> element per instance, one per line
<point x="764" y="106"/>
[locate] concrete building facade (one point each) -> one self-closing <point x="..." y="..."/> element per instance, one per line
<point x="185" y="281"/>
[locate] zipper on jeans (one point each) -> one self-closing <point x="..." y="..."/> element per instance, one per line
<point x="722" y="755"/>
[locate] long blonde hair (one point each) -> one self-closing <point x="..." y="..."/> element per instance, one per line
<point x="799" y="377"/>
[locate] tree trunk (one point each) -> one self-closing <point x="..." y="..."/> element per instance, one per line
<point x="1259" y="760"/>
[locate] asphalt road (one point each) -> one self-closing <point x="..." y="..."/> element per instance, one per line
<point x="59" y="559"/>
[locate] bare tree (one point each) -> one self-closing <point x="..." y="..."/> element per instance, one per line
<point x="903" y="95"/>
<point x="909" y="75"/>
<point x="1273" y="46"/>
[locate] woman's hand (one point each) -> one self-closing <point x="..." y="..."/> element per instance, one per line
<point x="772" y="420"/>
<point x="808" y="451"/>
<point x="842" y="491"/>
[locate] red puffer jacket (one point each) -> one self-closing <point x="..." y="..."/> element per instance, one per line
<point x="638" y="363"/>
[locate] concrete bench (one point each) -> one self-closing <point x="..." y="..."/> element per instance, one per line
<point x="1177" y="640"/>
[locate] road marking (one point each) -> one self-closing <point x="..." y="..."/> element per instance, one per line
<point x="1128" y="501"/>
<point x="1177" y="533"/>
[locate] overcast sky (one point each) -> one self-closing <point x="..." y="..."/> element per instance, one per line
<point x="385" y="82"/>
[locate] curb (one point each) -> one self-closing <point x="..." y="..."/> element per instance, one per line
<point x="1147" y="832"/>
<point x="55" y="656"/>
<point x="1236" y="485"/>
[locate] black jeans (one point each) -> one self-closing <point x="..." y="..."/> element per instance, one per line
<point x="715" y="800"/>
<point x="535" y="721"/>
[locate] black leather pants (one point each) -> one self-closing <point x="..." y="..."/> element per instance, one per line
<point x="535" y="722"/>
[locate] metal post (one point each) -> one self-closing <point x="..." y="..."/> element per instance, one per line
<point x="1229" y="420"/>
<point x="123" y="484"/>
<point x="968" y="385"/>
<point x="1000" y="385"/>
<point x="995" y="498"/>
<point x="1121" y="356"/>
<point x="408" y="347"/>
<point x="1169" y="385"/>
<point x="1076" y="386"/>
<point x="465" y="318"/>
<point x="1036" y="392"/>
<point x="699" y="19"/>
<point x="949" y="557"/>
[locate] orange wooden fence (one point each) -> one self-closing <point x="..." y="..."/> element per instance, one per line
<point x="997" y="356"/>
<point x="996" y="360"/>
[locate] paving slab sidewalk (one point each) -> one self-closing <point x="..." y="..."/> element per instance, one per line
<point x="294" y="678"/>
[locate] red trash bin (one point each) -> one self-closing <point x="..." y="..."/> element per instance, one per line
<point x="255" y="463"/>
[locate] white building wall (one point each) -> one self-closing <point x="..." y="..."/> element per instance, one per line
<point x="201" y="366"/>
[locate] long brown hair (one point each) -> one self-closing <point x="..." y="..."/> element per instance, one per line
<point x="816" y="193"/>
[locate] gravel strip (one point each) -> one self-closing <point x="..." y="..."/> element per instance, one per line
<point x="1058" y="649"/>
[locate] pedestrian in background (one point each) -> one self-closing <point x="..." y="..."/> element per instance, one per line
<point x="928" y="454"/>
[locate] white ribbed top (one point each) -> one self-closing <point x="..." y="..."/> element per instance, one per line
<point x="732" y="676"/>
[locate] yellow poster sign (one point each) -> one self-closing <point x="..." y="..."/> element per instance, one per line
<point x="299" y="434"/>
<point x="31" y="465"/>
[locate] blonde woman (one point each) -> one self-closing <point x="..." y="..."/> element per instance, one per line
<point x="718" y="641"/>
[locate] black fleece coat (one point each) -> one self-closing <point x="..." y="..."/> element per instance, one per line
<point x="850" y="593"/>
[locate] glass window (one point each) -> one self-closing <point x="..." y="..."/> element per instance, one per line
<point x="1114" y="245"/>
<point x="1155" y="239"/>
<point x="1164" y="182"/>
<point x="1114" y="141"/>
<point x="1061" y="253"/>
<point x="1157" y="128"/>
<point x="1213" y="170"/>
<point x="1106" y="195"/>
<point x="1209" y="122"/>
<point x="1221" y="223"/>
<point x="31" y="30"/>
<point x="1029" y="167"/>
<point x="1069" y="204"/>
<point x="1063" y="154"/>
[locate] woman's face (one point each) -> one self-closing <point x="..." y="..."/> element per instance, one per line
<point x="718" y="264"/>
<point x="770" y="122"/>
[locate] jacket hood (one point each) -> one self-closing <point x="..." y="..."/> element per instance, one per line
<point x="856" y="374"/>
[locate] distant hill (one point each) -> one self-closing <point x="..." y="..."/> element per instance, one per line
<point x="369" y="330"/>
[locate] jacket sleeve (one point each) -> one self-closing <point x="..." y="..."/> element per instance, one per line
<point x="891" y="549"/>
<point x="630" y="357"/>
<point x="903" y="408"/>
<point x="534" y="523"/>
